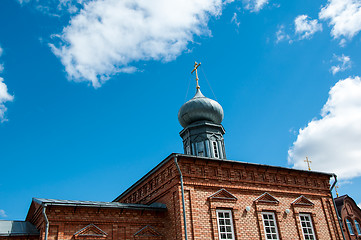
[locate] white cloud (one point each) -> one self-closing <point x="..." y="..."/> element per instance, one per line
<point x="55" y="7"/>
<point x="281" y="34"/>
<point x="255" y="5"/>
<point x="345" y="63"/>
<point x="4" y="97"/>
<point x="2" y="213"/>
<point x="111" y="36"/>
<point x="305" y="28"/>
<point x="344" y="16"/>
<point x="235" y="19"/>
<point x="333" y="142"/>
<point x="359" y="205"/>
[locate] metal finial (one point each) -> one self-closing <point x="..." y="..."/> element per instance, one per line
<point x="196" y="65"/>
<point x="308" y="163"/>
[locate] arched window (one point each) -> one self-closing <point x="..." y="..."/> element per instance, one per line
<point x="358" y="229"/>
<point x="349" y="226"/>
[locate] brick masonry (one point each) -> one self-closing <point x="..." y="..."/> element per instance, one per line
<point x="246" y="182"/>
<point x="209" y="184"/>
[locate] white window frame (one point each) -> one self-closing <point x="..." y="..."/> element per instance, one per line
<point x="267" y="225"/>
<point x="358" y="227"/>
<point x="215" y="149"/>
<point x="307" y="215"/>
<point x="188" y="149"/>
<point x="225" y="225"/>
<point x="349" y="227"/>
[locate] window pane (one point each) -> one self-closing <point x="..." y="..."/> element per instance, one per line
<point x="349" y="226"/>
<point x="307" y="227"/>
<point x="358" y="227"/>
<point x="270" y="225"/>
<point x="225" y="225"/>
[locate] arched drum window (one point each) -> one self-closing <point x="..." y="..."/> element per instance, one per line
<point x="358" y="229"/>
<point x="349" y="226"/>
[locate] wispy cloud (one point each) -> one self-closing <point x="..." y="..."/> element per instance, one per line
<point x="344" y="17"/>
<point x="235" y="19"/>
<point x="333" y="141"/>
<point x="55" y="7"/>
<point x="305" y="27"/>
<point x="2" y="213"/>
<point x="344" y="63"/>
<point x="255" y="5"/>
<point x="110" y="36"/>
<point x="1" y="64"/>
<point x="281" y="34"/>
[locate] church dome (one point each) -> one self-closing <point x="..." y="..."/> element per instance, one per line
<point x="200" y="108"/>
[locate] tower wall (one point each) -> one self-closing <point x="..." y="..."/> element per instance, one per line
<point x="204" y="139"/>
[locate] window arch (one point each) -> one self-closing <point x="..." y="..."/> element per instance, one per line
<point x="349" y="226"/>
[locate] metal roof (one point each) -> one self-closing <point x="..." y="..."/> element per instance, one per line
<point x="18" y="228"/>
<point x="75" y="203"/>
<point x="200" y="108"/>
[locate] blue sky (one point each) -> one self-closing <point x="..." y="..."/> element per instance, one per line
<point x="90" y="90"/>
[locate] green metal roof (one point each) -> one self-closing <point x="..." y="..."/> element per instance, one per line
<point x="17" y="228"/>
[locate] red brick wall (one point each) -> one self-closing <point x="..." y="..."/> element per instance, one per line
<point x="64" y="222"/>
<point x="204" y="177"/>
<point x="243" y="183"/>
<point x="350" y="211"/>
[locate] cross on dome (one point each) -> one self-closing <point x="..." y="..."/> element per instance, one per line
<point x="196" y="65"/>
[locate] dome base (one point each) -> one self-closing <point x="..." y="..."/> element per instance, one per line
<point x="204" y="139"/>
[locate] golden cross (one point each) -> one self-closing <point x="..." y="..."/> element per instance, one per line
<point x="336" y="190"/>
<point x="308" y="163"/>
<point x="196" y="65"/>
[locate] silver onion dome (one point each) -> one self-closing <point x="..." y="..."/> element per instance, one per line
<point x="200" y="108"/>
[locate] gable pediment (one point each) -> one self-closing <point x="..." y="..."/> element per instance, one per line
<point x="147" y="231"/>
<point x="222" y="194"/>
<point x="266" y="198"/>
<point x="90" y="231"/>
<point x="302" y="201"/>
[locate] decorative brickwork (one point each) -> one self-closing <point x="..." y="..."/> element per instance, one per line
<point x="246" y="191"/>
<point x="211" y="184"/>
<point x="90" y="231"/>
<point x="350" y="214"/>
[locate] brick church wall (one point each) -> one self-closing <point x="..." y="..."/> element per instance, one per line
<point x="245" y="189"/>
<point x="65" y="221"/>
<point x="348" y="210"/>
<point x="246" y="182"/>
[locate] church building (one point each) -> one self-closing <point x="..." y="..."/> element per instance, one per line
<point x="196" y="195"/>
<point x="350" y="215"/>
